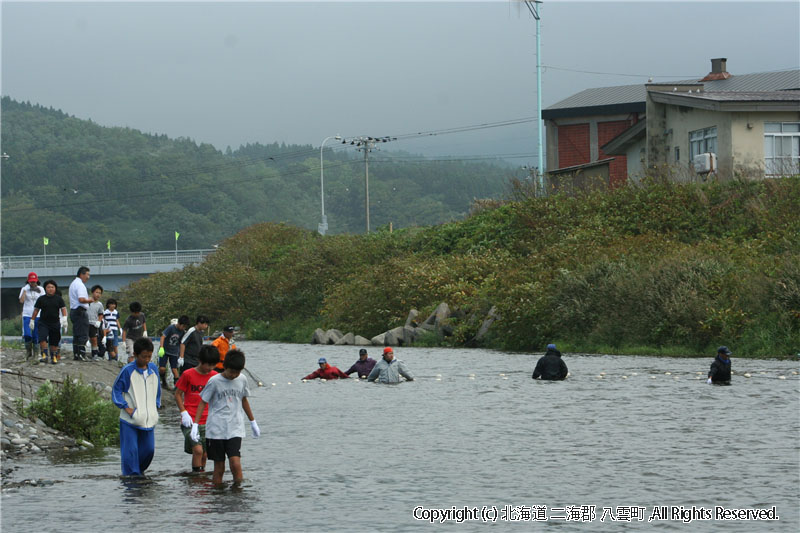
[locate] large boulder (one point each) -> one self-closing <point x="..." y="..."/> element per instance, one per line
<point x="395" y="337"/>
<point x="441" y="313"/>
<point x="346" y="340"/>
<point x="333" y="336"/>
<point x="361" y="341"/>
<point x="319" y="337"/>
<point x="413" y="318"/>
<point x="379" y="340"/>
<point x="487" y="323"/>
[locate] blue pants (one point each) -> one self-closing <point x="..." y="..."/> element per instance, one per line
<point x="27" y="334"/>
<point x="136" y="448"/>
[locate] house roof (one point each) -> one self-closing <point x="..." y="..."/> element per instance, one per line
<point x="573" y="168"/>
<point x="631" y="98"/>
<point x="732" y="101"/>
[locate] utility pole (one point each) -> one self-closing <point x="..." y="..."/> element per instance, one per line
<point x="366" y="145"/>
<point x="534" y="8"/>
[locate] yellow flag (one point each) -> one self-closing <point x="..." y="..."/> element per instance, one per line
<point x="46" y="241"/>
<point x="177" y="235"/>
<point x="108" y="245"/>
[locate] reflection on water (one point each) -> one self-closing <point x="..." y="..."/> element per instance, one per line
<point x="472" y="430"/>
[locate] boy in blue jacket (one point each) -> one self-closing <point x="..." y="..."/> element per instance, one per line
<point x="137" y="393"/>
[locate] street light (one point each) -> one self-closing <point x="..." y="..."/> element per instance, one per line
<point x="323" y="226"/>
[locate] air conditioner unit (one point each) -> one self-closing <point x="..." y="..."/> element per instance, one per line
<point x="705" y="163"/>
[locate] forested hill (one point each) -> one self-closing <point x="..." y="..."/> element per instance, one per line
<point x="80" y="184"/>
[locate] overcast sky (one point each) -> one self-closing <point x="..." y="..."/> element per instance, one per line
<point x="229" y="74"/>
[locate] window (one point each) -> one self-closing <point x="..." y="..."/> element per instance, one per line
<point x="782" y="148"/>
<point x="702" y="141"/>
<point x="677" y="154"/>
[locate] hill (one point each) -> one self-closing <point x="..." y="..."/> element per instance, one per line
<point x="662" y="268"/>
<point x="80" y="184"/>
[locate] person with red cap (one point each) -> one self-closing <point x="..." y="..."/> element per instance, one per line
<point x="27" y="297"/>
<point x="326" y="371"/>
<point x="389" y="369"/>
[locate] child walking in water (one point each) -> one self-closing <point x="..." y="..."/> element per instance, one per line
<point x="187" y="396"/>
<point x="226" y="396"/>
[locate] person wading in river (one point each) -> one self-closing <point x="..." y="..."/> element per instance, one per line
<point x="720" y="373"/>
<point x="551" y="367"/>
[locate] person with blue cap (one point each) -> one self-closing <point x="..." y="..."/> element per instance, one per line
<point x="720" y="373"/>
<point x="551" y="367"/>
<point x="326" y="371"/>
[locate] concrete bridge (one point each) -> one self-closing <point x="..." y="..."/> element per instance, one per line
<point x="111" y="270"/>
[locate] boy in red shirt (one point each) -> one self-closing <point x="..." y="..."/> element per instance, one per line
<point x="187" y="395"/>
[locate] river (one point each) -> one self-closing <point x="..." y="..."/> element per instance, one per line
<point x="621" y="436"/>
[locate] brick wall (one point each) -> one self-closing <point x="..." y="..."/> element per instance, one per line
<point x="619" y="167"/>
<point x="573" y="145"/>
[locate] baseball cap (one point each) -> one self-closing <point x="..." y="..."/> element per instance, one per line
<point x="362" y="351"/>
<point x="322" y="360"/>
<point x="388" y="349"/>
<point x="32" y="277"/>
<point x="229" y="329"/>
<point x="725" y="350"/>
<point x="551" y="346"/>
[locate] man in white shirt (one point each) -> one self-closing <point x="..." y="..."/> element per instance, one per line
<point x="79" y="301"/>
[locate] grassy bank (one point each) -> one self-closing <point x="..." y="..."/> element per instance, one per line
<point x="662" y="268"/>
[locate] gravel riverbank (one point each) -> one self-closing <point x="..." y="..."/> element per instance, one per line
<point x="21" y="436"/>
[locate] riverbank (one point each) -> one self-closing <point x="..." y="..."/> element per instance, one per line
<point x="22" y="436"/>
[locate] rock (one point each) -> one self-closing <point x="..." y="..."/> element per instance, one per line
<point x="346" y="340"/>
<point x="379" y="340"/>
<point x="19" y="441"/>
<point x="412" y="320"/>
<point x="333" y="336"/>
<point x="5" y="443"/>
<point x="9" y="422"/>
<point x="490" y="318"/>
<point x="361" y="341"/>
<point x="393" y="337"/>
<point x="40" y="423"/>
<point x="35" y="449"/>
<point x="441" y="313"/>
<point x="319" y="337"/>
<point x="86" y="443"/>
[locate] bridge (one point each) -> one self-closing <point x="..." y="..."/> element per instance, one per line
<point x="111" y="270"/>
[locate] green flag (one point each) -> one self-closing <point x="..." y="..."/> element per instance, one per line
<point x="108" y="245"/>
<point x="46" y="241"/>
<point x="177" y="235"/>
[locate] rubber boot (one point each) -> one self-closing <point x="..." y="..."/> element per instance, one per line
<point x="54" y="357"/>
<point x="29" y="349"/>
<point x="37" y="351"/>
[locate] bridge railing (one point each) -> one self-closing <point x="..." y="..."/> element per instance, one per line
<point x="157" y="257"/>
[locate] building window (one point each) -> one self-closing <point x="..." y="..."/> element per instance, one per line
<point x="702" y="141"/>
<point x="677" y="154"/>
<point x="782" y="148"/>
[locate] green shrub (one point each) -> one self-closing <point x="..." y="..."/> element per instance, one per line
<point x="77" y="410"/>
<point x="11" y="327"/>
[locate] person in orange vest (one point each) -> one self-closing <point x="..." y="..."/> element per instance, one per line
<point x="224" y="343"/>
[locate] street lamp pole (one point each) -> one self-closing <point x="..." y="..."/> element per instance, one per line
<point x="323" y="226"/>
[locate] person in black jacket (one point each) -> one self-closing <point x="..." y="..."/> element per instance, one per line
<point x="720" y="373"/>
<point x="551" y="367"/>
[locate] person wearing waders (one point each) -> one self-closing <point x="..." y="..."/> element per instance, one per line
<point x="720" y="373"/>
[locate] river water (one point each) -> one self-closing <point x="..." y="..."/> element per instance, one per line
<point x="622" y="434"/>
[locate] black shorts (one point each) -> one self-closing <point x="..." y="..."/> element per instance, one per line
<point x="50" y="333"/>
<point x="219" y="448"/>
<point x="93" y="331"/>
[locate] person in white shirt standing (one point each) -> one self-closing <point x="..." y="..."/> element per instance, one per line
<point x="79" y="301"/>
<point x="27" y="297"/>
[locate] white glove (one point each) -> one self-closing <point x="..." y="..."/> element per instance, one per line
<point x="254" y="427"/>
<point x="63" y="320"/>
<point x="709" y="381"/>
<point x="145" y="333"/>
<point x="195" y="434"/>
<point x="180" y="362"/>
<point x="32" y="324"/>
<point x="186" y="420"/>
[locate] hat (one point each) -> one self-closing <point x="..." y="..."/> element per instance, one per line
<point x="33" y="277"/>
<point x="388" y="349"/>
<point x="362" y="351"/>
<point x="725" y="350"/>
<point x="322" y="360"/>
<point x="229" y="329"/>
<point x="551" y="346"/>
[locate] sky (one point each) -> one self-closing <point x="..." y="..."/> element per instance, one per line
<point x="263" y="72"/>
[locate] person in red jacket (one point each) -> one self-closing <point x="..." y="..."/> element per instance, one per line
<point x="326" y="371"/>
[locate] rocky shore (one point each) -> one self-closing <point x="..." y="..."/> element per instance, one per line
<point x="21" y="436"/>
